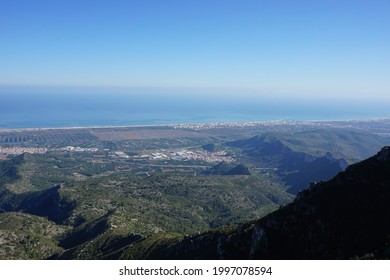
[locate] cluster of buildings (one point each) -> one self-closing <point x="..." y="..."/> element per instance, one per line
<point x="17" y="150"/>
<point x="78" y="149"/>
<point x="289" y="123"/>
<point x="234" y="124"/>
<point x="186" y="155"/>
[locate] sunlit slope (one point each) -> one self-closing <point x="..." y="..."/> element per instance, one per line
<point x="346" y="217"/>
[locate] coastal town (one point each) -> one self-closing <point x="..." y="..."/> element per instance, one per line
<point x="153" y="155"/>
<point x="188" y="155"/>
<point x="18" y="150"/>
<point x="182" y="142"/>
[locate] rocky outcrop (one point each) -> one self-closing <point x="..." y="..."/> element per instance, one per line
<point x="384" y="154"/>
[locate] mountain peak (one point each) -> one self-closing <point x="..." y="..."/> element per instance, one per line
<point x="384" y="154"/>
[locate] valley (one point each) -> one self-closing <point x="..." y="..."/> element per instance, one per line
<point x="98" y="193"/>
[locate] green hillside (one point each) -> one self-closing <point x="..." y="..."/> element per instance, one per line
<point x="24" y="236"/>
<point x="103" y="205"/>
<point x="343" y="218"/>
<point x="351" y="145"/>
<point x="100" y="216"/>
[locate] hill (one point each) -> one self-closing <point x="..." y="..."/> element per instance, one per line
<point x="99" y="216"/>
<point x="24" y="236"/>
<point x="9" y="170"/>
<point x="352" y="145"/>
<point x="346" y="217"/>
<point x="295" y="168"/>
<point x="113" y="210"/>
<point x="224" y="168"/>
<point x="101" y="206"/>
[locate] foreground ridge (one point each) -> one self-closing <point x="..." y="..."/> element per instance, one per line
<point x="346" y="217"/>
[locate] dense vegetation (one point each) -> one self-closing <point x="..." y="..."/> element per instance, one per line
<point x="295" y="168"/>
<point x="120" y="206"/>
<point x="131" y="199"/>
<point x="346" y="217"/>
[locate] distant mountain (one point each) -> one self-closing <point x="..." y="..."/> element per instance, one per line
<point x="351" y="145"/>
<point x="50" y="209"/>
<point x="272" y="152"/>
<point x="346" y="217"/>
<point x="296" y="169"/>
<point x="322" y="168"/>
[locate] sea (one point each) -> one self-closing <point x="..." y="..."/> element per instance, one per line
<point x="69" y="107"/>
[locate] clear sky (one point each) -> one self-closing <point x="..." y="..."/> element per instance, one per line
<point x="297" y="47"/>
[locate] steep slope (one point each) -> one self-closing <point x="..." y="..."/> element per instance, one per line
<point x="322" y="168"/>
<point x="346" y="217"/>
<point x="25" y="173"/>
<point x="9" y="170"/>
<point x="103" y="215"/>
<point x="48" y="203"/>
<point x="351" y="145"/>
<point x="114" y="212"/>
<point x="24" y="236"/>
<point x="36" y="172"/>
<point x="219" y="169"/>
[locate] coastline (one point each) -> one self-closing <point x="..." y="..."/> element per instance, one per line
<point x="78" y="127"/>
<point x="216" y="124"/>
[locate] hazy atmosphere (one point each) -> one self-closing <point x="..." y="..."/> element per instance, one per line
<point x="327" y="49"/>
<point x="208" y="130"/>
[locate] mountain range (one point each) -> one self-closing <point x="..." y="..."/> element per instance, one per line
<point x="343" y="218"/>
<point x="52" y="206"/>
<point x="93" y="216"/>
<point x="296" y="169"/>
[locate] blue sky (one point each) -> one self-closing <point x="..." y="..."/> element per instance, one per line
<point x="299" y="48"/>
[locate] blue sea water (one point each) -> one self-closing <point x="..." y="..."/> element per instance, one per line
<point x="37" y="108"/>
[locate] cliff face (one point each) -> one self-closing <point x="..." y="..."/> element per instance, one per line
<point x="346" y="217"/>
